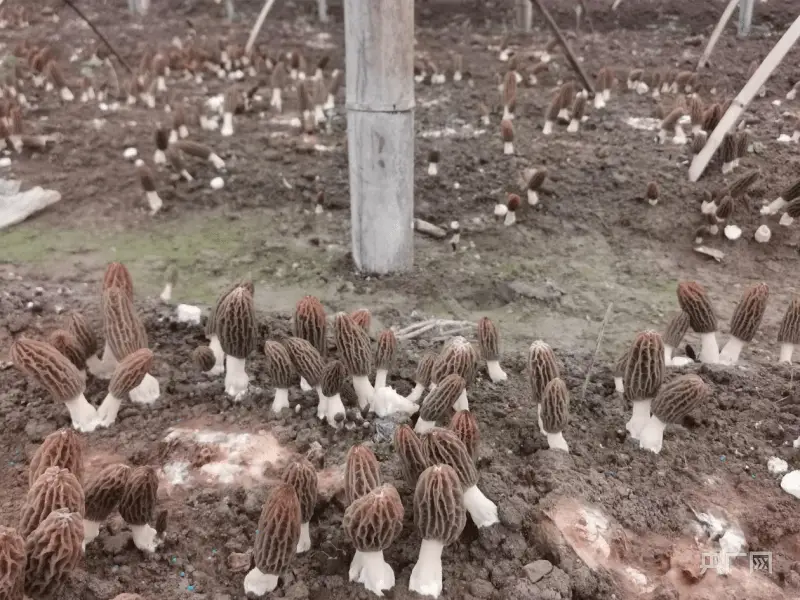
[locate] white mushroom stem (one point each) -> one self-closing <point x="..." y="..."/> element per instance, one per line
<point x="639" y="418"/>
<point x="482" y="510"/>
<point x="667" y="355"/>
<point x="146" y="392"/>
<point x="680" y="137"/>
<point x="510" y="218"/>
<point x="236" y="378"/>
<point x="83" y="414"/>
<point x="215" y="160"/>
<point x="539" y="418"/>
<point x="730" y="351"/>
<point x="276" y="101"/>
<point x="533" y="198"/>
<point x="67" y="95"/>
<point x="462" y="403"/>
<point x="219" y="355"/>
<point x="304" y="385"/>
<point x="786" y="353"/>
<point x="173" y="136"/>
<point x="652" y="435"/>
<point x="563" y="114"/>
<point x="424" y="426"/>
<point x="370" y="569"/>
<point x="330" y="102"/>
<point x="258" y="583"/>
<point x="161" y="84"/>
<point x="159" y="157"/>
<point x="304" y="543"/>
<point x="426" y="576"/>
<point x="386" y="401"/>
<point x="662" y="136"/>
<point x="619" y="387"/>
<point x="166" y="293"/>
<point x="91" y="529"/>
<point x="227" y="125"/>
<point x="507" y="114"/>
<point x="380" y="378"/>
<point x="364" y="390"/>
<point x="144" y="537"/>
<point x="508" y="147"/>
<point x="433" y="169"/>
<point x="322" y="404"/>
<point x="154" y="201"/>
<point x="334" y="406"/>
<point x="183" y="131"/>
<point x="573" y="126"/>
<point x="599" y="101"/>
<point x="548" y="128"/>
<point x="774" y="206"/>
<point x="556" y="441"/>
<point x="496" y="372"/>
<point x="108" y="410"/>
<point x="727" y="167"/>
<point x="416" y="393"/>
<point x="319" y="114"/>
<point x="281" y="400"/>
<point x="709" y="350"/>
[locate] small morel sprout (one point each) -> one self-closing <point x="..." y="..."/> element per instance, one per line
<point x="652" y="193"/>
<point x="671" y="126"/>
<point x="229" y="108"/>
<point x="489" y="344"/>
<point x="171" y="278"/>
<point x="513" y="204"/>
<point x="745" y="322"/>
<point x="507" y="133"/>
<point x="55" y="75"/>
<point x="281" y="373"/>
<point x="789" y="332"/>
<point x="555" y="413"/>
<point x="162" y="143"/>
<point x="199" y="150"/>
<point x="792" y="192"/>
<point x="149" y="186"/>
<point x="674" y="401"/>
<point x="578" y="108"/>
<point x="603" y="83"/>
<point x="175" y="158"/>
<point x="694" y="301"/>
<point x="673" y="336"/>
<point x="566" y="98"/>
<point x="551" y="115"/>
<point x="433" y="162"/>
<point x="535" y="183"/>
<point x="276" y="82"/>
<point x="644" y="373"/>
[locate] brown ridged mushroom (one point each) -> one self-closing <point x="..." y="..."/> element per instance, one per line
<point x="725" y="209"/>
<point x="603" y="83"/>
<point x="62" y="448"/>
<point x="671" y="126"/>
<point x="203" y="358"/>
<point x="409" y="448"/>
<point x="439" y="402"/>
<point x="791" y="192"/>
<point x="53" y="371"/>
<point x="308" y="363"/>
<point x="433" y="162"/>
<point x="362" y="318"/>
<point x="644" y="373"/>
<point x="52" y="552"/>
<point x="674" y="401"/>
<point x="440" y="518"/>
<point x="199" y="150"/>
<point x="162" y="145"/>
<point x="696" y="113"/>
<point x="12" y="564"/>
<point x="362" y="473"/>
<point x="281" y="372"/>
<point x="728" y="153"/>
<point x="422" y="376"/>
<point x="465" y="426"/>
<point x="103" y="493"/>
<point x="789" y="331"/>
<point x="619" y="372"/>
<point x="68" y="345"/>
<point x="384" y="356"/>
<point x="123" y="330"/>
<point x="489" y="344"/>
<point x="745" y="321"/>
<point x="576" y="115"/>
<point x="542" y="368"/>
<point x="300" y="474"/>
<point x="276" y="540"/>
<point x="138" y="506"/>
<point x="79" y="327"/>
<point x="309" y="323"/>
<point x="117" y="275"/>
<point x="555" y="413"/>
<point x="128" y="375"/>
<point x="372" y="523"/>
<point x="694" y="301"/>
<point x="211" y="325"/>
<point x="551" y="115"/>
<point x="673" y="336"/>
<point x="459" y="357"/>
<point x="535" y="183"/>
<point x="237" y="329"/>
<point x="54" y="489"/>
<point x="507" y="134"/>
<point x="354" y="350"/>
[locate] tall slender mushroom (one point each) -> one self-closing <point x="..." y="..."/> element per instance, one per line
<point x="362" y="473"/>
<point x="791" y="192"/>
<point x="354" y="349"/>
<point x="789" y="332"/>
<point x="237" y="331"/>
<point x="103" y="493"/>
<point x="745" y="321"/>
<point x="281" y="373"/>
<point x="308" y="363"/>
<point x="674" y="401"/>
<point x="489" y="344"/>
<point x="535" y="183"/>
<point x="309" y="324"/>
<point x="542" y="368"/>
<point x="438" y="402"/>
<point x="384" y="356"/>
<point x="676" y="330"/>
<point x="128" y="375"/>
<point x="422" y="376"/>
<point x="694" y="302"/>
<point x="412" y="457"/>
<point x="300" y="474"/>
<point x="333" y="378"/>
<point x="137" y="507"/>
<point x="644" y="373"/>
<point x="555" y="413"/>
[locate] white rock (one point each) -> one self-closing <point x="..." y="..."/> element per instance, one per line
<point x="130" y="153"/>
<point x="763" y="234"/>
<point x="187" y="313"/>
<point x="791" y="483"/>
<point x="680" y="361"/>
<point x="785" y="138"/>
<point x="776" y="465"/>
<point x="217" y="183"/>
<point x="5" y="162"/>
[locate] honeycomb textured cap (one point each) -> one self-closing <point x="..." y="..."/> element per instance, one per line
<point x="353" y="344"/>
<point x="117" y="275"/>
<point x="203" y="358"/>
<point x="55" y="488"/>
<point x="236" y="323"/>
<point x="105" y="490"/>
<point x="542" y="368"/>
<point x="412" y="457"/>
<point x="138" y="503"/>
<point x="211" y="323"/>
<point x="789" y="332"/>
<point x="12" y="564"/>
<point x="425" y="369"/>
<point x="622" y="362"/>
<point x="437" y="403"/>
<point x="62" y="448"/>
<point x="387" y="346"/>
<point x="48" y="367"/>
<point x="306" y="359"/>
<point x="488" y="339"/>
<point x="679" y="397"/>
<point x="363" y="318"/>
<point x="749" y="312"/>
<point x="555" y="406"/>
<point x="676" y="329"/>
<point x="309" y="323"/>
<point x="278" y="530"/>
<point x="374" y="521"/>
<point x="302" y="476"/>
<point x="645" y="369"/>
<point x="53" y="551"/>
<point x="333" y="377"/>
<point x="130" y="372"/>
<point x="465" y="425"/>
<point x="694" y="302"/>
<point x="124" y="331"/>
<point x="442" y="446"/>
<point x="80" y="328"/>
<point x="459" y="357"/>
<point x="280" y="369"/>
<point x="362" y="473"/>
<point x="68" y="345"/>
<point x="439" y="512"/>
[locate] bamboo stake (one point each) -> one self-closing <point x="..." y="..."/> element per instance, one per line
<point x="745" y="17"/>
<point x="712" y="41"/>
<point x="100" y="35"/>
<point x="262" y="16"/>
<point x="567" y="51"/>
<point x="744" y="98"/>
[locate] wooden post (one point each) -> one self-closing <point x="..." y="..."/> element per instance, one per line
<point x="379" y="50"/>
<point x="745" y="17"/>
<point x="524" y="15"/>
<point x="257" y="27"/>
<point x="322" y="10"/>
<point x="230" y="10"/>
<point x="712" y="41"/>
<point x="741" y="101"/>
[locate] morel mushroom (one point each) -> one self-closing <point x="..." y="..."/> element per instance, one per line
<point x="354" y="348"/>
<point x="509" y="94"/>
<point x="52" y="370"/>
<point x="148" y="182"/>
<point x="489" y="343"/>
<point x="437" y="403"/>
<point x="236" y="328"/>
<point x="422" y="377"/>
<point x="280" y="372"/>
<point x="578" y="109"/>
<point x="308" y="363"/>
<point x="384" y="356"/>
<point x="204" y="358"/>
<point x="362" y="318"/>
<point x="52" y="552"/>
<point x="555" y="413"/>
<point x="535" y="183"/>
<point x="792" y="192"/>
<point x="672" y="125"/>
<point x="459" y="357"/>
<point x="300" y="474"/>
<point x="309" y="324"/>
<point x="68" y="345"/>
<point x="412" y="457"/>
<point x="276" y="541"/>
<point x="211" y="327"/>
<point x="694" y="302"/>
<point x="331" y="384"/>
<point x="603" y="83"/>
<point x="199" y="150"/>
<point x="674" y="401"/>
<point x="465" y="426"/>
<point x="162" y="145"/>
<point x="507" y="133"/>
<point x="440" y="518"/>
<point x="372" y="523"/>
<point x="442" y="446"/>
<point x="79" y="327"/>
<point x="789" y="332"/>
<point x="542" y="368"/>
<point x="138" y="506"/>
<point x="644" y="373"/>
<point x="62" y="449"/>
<point x="362" y="473"/>
<point x="433" y="162"/>
<point x="12" y="564"/>
<point x="103" y="493"/>
<point x="676" y="330"/>
<point x="54" y="489"/>
<point x="745" y="321"/>
<point x="128" y="375"/>
<point x="619" y="372"/>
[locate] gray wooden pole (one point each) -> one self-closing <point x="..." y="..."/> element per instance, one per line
<point x="322" y="10"/>
<point x="723" y="20"/>
<point x="379" y="49"/>
<point x="745" y="17"/>
<point x="524" y="15"/>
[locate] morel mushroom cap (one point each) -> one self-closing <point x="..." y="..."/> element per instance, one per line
<point x="384" y="354"/>
<point x="53" y="551"/>
<point x="203" y="357"/>
<point x="333" y="377"/>
<point x="373" y="521"/>
<point x="362" y="318"/>
<point x="117" y="275"/>
<point x="442" y="446"/>
<point x="412" y="458"/>
<point x="488" y="339"/>
<point x="439" y="512"/>
<point x="791" y="192"/>
<point x="741" y="185"/>
<point x="542" y="368"/>
<point x="695" y="303"/>
<point x="728" y="149"/>
<point x="211" y="323"/>
<point x="55" y="488"/>
<point x="280" y="368"/>
<point x="425" y="369"/>
<point x="105" y="491"/>
<point x="12" y="564"/>
<point x="652" y="191"/>
<point x="300" y="474"/>
<point x="789" y="332"/>
<point x="645" y="369"/>
<point x="465" y="426"/>
<point x="306" y="359"/>
<point x="507" y="131"/>
<point x="555" y="406"/>
<point x="510" y="90"/>
<point x="749" y="312"/>
<point x="679" y="397"/>
<point x="236" y="323"/>
<point x="130" y="372"/>
<point x="62" y="448"/>
<point x="310" y="324"/>
<point x="536" y="180"/>
<point x="362" y="473"/>
<point x="68" y="345"/>
<point x="48" y="367"/>
<point x="80" y="328"/>
<point x="578" y="107"/>
<point x="676" y="329"/>
<point x="621" y="364"/>
<point x="353" y="344"/>
<point x="124" y="331"/>
<point x="440" y="400"/>
<point x="725" y="209"/>
<point x="278" y="530"/>
<point x="459" y="357"/>
<point x="138" y="503"/>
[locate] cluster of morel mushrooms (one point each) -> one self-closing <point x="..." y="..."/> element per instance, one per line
<point x="437" y="454"/>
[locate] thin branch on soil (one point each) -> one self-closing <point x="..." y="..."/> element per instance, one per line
<point x="418" y="329"/>
<point x="596" y="350"/>
<point x="100" y="35"/>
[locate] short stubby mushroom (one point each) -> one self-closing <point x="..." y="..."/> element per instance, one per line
<point x="128" y="375"/>
<point x="103" y="493"/>
<point x="138" y="505"/>
<point x="281" y="373"/>
<point x="237" y="330"/>
<point x="489" y="343"/>
<point x="674" y="401"/>
<point x="542" y="368"/>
